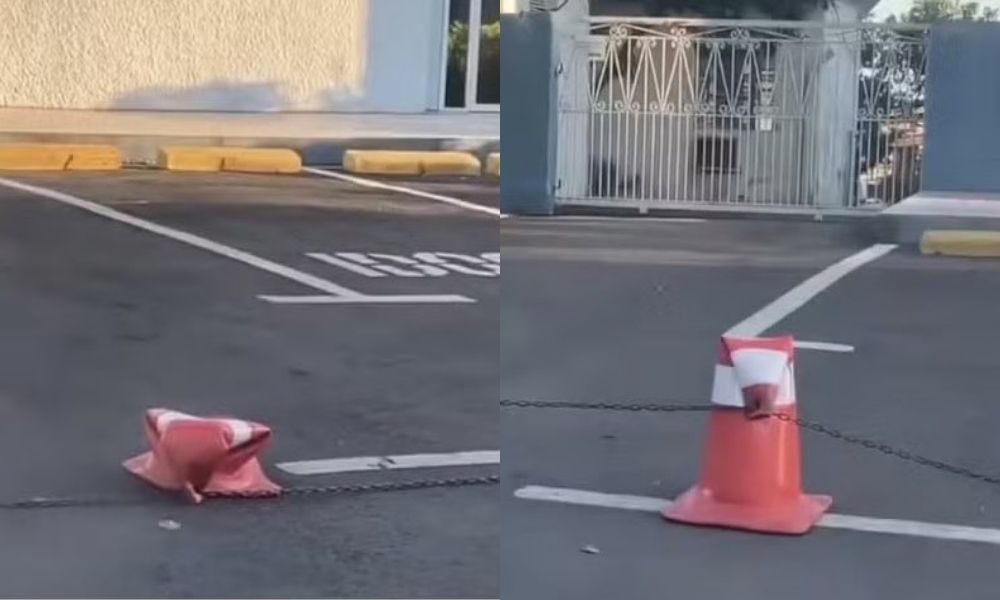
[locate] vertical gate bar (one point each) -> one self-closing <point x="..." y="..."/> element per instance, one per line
<point x="771" y="148"/>
<point x="591" y="127"/>
<point x="662" y="100"/>
<point x="802" y="108"/>
<point x="625" y="172"/>
<point x="854" y="164"/>
<point x="648" y="125"/>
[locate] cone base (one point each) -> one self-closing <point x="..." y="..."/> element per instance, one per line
<point x="249" y="478"/>
<point x="697" y="506"/>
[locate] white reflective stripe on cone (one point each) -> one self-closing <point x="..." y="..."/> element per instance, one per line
<point x="786" y="394"/>
<point x="165" y="417"/>
<point x="241" y="430"/>
<point x="726" y="390"/>
<point x="755" y="366"/>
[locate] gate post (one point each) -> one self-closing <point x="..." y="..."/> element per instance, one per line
<point x="836" y="108"/>
<point x="963" y="118"/>
<point x="960" y="185"/>
<point x="528" y="124"/>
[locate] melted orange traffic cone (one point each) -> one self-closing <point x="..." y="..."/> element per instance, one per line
<point x="197" y="455"/>
<point x="752" y="474"/>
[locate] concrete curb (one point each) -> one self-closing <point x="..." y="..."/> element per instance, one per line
<point x="59" y="157"/>
<point x="493" y="164"/>
<point x="967" y="243"/>
<point x="397" y="162"/>
<point x="222" y="158"/>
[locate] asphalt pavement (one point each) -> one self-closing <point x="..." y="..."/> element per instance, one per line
<point x="631" y="311"/>
<point x="103" y="319"/>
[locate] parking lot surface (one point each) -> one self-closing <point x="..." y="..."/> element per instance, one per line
<point x="626" y="311"/>
<point x="194" y="300"/>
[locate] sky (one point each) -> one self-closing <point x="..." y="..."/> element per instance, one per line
<point x="894" y="7"/>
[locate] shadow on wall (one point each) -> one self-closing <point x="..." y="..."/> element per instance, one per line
<point x="214" y="96"/>
<point x="224" y="96"/>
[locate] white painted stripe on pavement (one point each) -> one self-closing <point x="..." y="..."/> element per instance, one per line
<point x="402" y="461"/>
<point x="345" y="264"/>
<point x="189" y="239"/>
<point x="940" y="531"/>
<point x="334" y="294"/>
<point x="369" y="183"/>
<point x="588" y="498"/>
<point x="794" y="299"/>
<point x="381" y="299"/>
<point x="825" y="346"/>
<point x="616" y="220"/>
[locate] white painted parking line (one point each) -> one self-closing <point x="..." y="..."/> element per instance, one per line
<point x="405" y="190"/>
<point x="393" y="299"/>
<point x="824" y="346"/>
<point x="794" y="299"/>
<point x="187" y="238"/>
<point x="615" y="220"/>
<point x="379" y="463"/>
<point x="351" y="266"/>
<point x="340" y="294"/>
<point x="419" y="265"/>
<point x="940" y="531"/>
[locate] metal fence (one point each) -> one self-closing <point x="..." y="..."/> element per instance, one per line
<point x="668" y="112"/>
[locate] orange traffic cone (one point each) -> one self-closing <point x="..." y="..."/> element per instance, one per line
<point x="751" y="476"/>
<point x="196" y="455"/>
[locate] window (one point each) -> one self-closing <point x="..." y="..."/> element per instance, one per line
<point x="472" y="59"/>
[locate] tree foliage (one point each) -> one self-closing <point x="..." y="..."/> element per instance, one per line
<point x="489" y="63"/>
<point x="929" y="11"/>
<point x="733" y="9"/>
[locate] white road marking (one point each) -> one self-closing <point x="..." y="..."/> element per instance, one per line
<point x="940" y="531"/>
<point x="336" y="261"/>
<point x="615" y="220"/>
<point x="794" y="299"/>
<point x="339" y="294"/>
<point x="187" y="238"/>
<point x="825" y="346"/>
<point x="395" y="299"/>
<point x="419" y="265"/>
<point x="402" y="461"/>
<point x="463" y="264"/>
<point x="405" y="190"/>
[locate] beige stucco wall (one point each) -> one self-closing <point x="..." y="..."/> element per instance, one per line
<point x="182" y="54"/>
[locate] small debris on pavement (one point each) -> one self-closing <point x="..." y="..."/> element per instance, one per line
<point x="169" y="525"/>
<point x="590" y="549"/>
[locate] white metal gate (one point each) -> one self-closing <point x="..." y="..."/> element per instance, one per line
<point x="669" y="112"/>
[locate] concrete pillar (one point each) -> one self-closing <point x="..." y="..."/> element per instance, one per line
<point x="836" y="108"/>
<point x="572" y="51"/>
<point x="528" y="124"/>
<point x="962" y="152"/>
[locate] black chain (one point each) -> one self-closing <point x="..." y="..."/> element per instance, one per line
<point x="826" y="430"/>
<point x="358" y="488"/>
<point x="67" y="502"/>
<point x="608" y="406"/>
<point x="366" y="488"/>
<point x="887" y="449"/>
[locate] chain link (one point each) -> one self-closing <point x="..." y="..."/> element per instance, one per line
<point x="356" y="488"/>
<point x="68" y="502"/>
<point x="815" y="426"/>
<point x="887" y="449"/>
<point x="366" y="488"/>
<point x="607" y="406"/>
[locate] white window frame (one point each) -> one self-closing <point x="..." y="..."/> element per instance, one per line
<point x="472" y="60"/>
